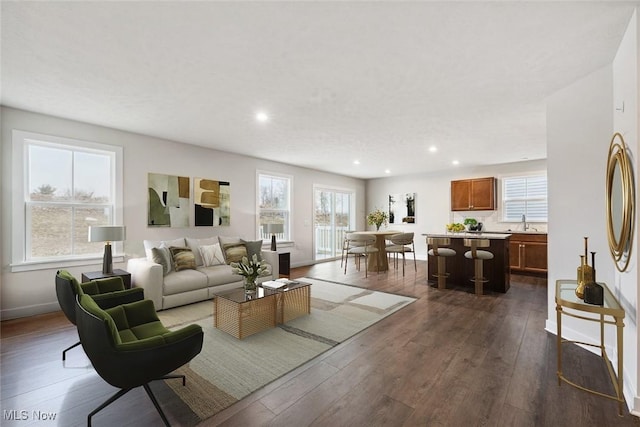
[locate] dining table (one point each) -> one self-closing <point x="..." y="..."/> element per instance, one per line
<point x="378" y="261"/>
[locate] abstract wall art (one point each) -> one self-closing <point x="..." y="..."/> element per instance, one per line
<point x="402" y="208"/>
<point x="169" y="201"/>
<point x="212" y="202"/>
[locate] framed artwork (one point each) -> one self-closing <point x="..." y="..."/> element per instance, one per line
<point x="212" y="202"/>
<point x="402" y="208"/>
<point x="169" y="201"/>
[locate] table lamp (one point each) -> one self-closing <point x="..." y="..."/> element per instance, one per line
<point x="108" y="234"/>
<point x="274" y="229"/>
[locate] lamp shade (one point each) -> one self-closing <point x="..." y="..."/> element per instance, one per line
<point x="274" y="228"/>
<point x="107" y="233"/>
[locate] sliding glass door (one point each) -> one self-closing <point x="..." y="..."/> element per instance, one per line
<point x="333" y="215"/>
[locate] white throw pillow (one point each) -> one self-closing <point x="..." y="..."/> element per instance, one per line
<point x="211" y="255"/>
<point x="195" y="244"/>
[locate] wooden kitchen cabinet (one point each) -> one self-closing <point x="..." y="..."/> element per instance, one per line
<point x="528" y="253"/>
<point x="473" y="194"/>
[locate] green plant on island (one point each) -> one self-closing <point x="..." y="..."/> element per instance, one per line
<point x="470" y="221"/>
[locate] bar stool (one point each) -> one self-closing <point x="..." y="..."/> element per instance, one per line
<point x="441" y="253"/>
<point x="478" y="257"/>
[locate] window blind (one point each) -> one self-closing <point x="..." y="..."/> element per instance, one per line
<point x="525" y="196"/>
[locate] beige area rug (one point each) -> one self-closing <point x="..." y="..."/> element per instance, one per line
<point x="229" y="369"/>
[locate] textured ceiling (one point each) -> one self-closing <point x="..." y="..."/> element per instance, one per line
<point x="380" y="82"/>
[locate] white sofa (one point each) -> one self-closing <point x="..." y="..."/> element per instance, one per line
<point x="175" y="288"/>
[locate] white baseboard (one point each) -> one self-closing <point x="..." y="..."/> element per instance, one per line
<point x="30" y="310"/>
<point x="636" y="407"/>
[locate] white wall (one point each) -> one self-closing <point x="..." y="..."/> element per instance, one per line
<point x="433" y="198"/>
<point x="32" y="292"/>
<point x="579" y="127"/>
<point x="626" y="90"/>
<point x="580" y="124"/>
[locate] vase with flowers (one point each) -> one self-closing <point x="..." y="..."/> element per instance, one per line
<point x="377" y="218"/>
<point x="250" y="269"/>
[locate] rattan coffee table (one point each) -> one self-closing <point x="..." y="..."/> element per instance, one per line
<point x="241" y="315"/>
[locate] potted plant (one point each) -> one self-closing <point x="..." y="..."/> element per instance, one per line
<point x="377" y="218"/>
<point x="471" y="223"/>
<point x="250" y="270"/>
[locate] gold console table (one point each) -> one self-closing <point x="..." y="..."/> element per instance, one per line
<point x="611" y="313"/>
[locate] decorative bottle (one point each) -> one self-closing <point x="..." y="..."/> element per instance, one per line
<point x="581" y="282"/>
<point x="593" y="292"/>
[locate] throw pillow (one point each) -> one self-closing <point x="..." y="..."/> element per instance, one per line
<point x="227" y="241"/>
<point x="195" y="245"/>
<point x="233" y="252"/>
<point x="162" y="256"/>
<point x="183" y="258"/>
<point x="148" y="244"/>
<point x="211" y="255"/>
<point x="253" y="248"/>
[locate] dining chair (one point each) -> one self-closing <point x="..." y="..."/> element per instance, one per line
<point x="402" y="243"/>
<point x="360" y="244"/>
<point x="344" y="246"/>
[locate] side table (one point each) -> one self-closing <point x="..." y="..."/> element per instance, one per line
<point x="284" y="259"/>
<point x="94" y="275"/>
<point x="566" y="298"/>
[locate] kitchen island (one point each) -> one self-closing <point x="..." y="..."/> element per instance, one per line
<point x="461" y="269"/>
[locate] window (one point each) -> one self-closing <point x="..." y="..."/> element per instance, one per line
<point x="525" y="195"/>
<point x="274" y="206"/>
<point x="68" y="185"/>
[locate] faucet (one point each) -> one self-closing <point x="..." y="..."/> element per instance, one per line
<point x="524" y="222"/>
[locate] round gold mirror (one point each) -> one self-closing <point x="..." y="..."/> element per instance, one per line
<point x="620" y="202"/>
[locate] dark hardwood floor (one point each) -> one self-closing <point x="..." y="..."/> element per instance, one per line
<point x="449" y="359"/>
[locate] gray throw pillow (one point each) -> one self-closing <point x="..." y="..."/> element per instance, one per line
<point x="163" y="257"/>
<point x="253" y="248"/>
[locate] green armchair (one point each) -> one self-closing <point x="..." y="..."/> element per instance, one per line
<point x="129" y="347"/>
<point x="107" y="293"/>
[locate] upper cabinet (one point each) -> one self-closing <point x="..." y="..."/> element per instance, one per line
<point x="473" y="194"/>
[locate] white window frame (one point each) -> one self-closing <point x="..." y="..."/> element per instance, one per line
<point x="288" y="238"/>
<point x="503" y="200"/>
<point x="21" y="141"/>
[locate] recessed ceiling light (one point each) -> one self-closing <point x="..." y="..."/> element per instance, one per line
<point x="455" y="162"/>
<point x="356" y="162"/>
<point x="387" y="171"/>
<point x="262" y="117"/>
<point x="433" y="149"/>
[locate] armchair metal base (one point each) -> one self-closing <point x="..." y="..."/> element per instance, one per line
<point x="122" y="392"/>
<point x="64" y="352"/>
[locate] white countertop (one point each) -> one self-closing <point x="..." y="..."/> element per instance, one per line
<point x="466" y="235"/>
